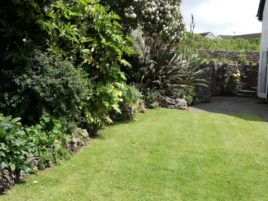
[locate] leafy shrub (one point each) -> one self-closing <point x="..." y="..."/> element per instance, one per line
<point x="192" y="97"/>
<point x="49" y="84"/>
<point x="160" y="71"/>
<point x="51" y="141"/>
<point x="86" y="33"/>
<point x="130" y="104"/>
<point x="131" y="95"/>
<point x="21" y="149"/>
<point x="82" y="32"/>
<point x="152" y="98"/>
<point x="232" y="81"/>
<point x="242" y="59"/>
<point x="15" y="147"/>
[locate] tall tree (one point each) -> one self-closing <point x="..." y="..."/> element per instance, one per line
<point x="158" y="18"/>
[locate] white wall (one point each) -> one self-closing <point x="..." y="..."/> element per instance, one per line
<point x="211" y="35"/>
<point x="264" y="46"/>
<point x="263" y="61"/>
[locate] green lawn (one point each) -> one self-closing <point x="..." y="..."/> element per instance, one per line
<point x="163" y="155"/>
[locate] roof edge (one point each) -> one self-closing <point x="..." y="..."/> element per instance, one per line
<point x="260" y="10"/>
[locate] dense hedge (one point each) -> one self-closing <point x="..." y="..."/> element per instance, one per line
<point x="49" y="84"/>
<point x="198" y="42"/>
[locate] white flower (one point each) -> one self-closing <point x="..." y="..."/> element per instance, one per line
<point x="133" y="16"/>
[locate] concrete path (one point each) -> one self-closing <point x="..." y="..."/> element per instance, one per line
<point x="234" y="105"/>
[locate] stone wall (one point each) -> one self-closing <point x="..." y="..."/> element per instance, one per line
<point x="228" y="79"/>
<point x="252" y="57"/>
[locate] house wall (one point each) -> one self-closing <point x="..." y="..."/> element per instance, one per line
<point x="211" y="35"/>
<point x="264" y="39"/>
<point x="264" y="47"/>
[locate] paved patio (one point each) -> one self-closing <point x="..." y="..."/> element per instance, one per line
<point x="234" y="105"/>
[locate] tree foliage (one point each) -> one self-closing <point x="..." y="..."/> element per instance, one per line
<point x="19" y="29"/>
<point x="156" y="17"/>
<point x="82" y="32"/>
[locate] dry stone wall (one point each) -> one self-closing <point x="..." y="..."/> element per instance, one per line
<point x="252" y="57"/>
<point x="228" y="79"/>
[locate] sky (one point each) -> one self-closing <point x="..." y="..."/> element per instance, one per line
<point x="222" y="17"/>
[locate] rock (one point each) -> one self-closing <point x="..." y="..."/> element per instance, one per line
<point x="84" y="133"/>
<point x="170" y="101"/>
<point x="80" y="137"/>
<point x="142" y="108"/>
<point x="74" y="143"/>
<point x="7" y="180"/>
<point x="181" y="104"/>
<point x="75" y="140"/>
<point x="34" y="162"/>
<point x="173" y="103"/>
<point x="171" y="106"/>
<point x="127" y="112"/>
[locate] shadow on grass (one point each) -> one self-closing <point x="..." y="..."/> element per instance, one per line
<point x="246" y="108"/>
<point x="99" y="135"/>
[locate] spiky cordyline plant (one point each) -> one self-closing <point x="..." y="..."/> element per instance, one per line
<point x="158" y="67"/>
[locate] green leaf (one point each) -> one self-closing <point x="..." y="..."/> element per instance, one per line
<point x="4" y="165"/>
<point x="16" y="120"/>
<point x="13" y="167"/>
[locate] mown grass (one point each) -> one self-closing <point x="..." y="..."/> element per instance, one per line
<point x="163" y="155"/>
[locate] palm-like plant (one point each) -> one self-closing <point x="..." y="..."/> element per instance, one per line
<point x="158" y="67"/>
